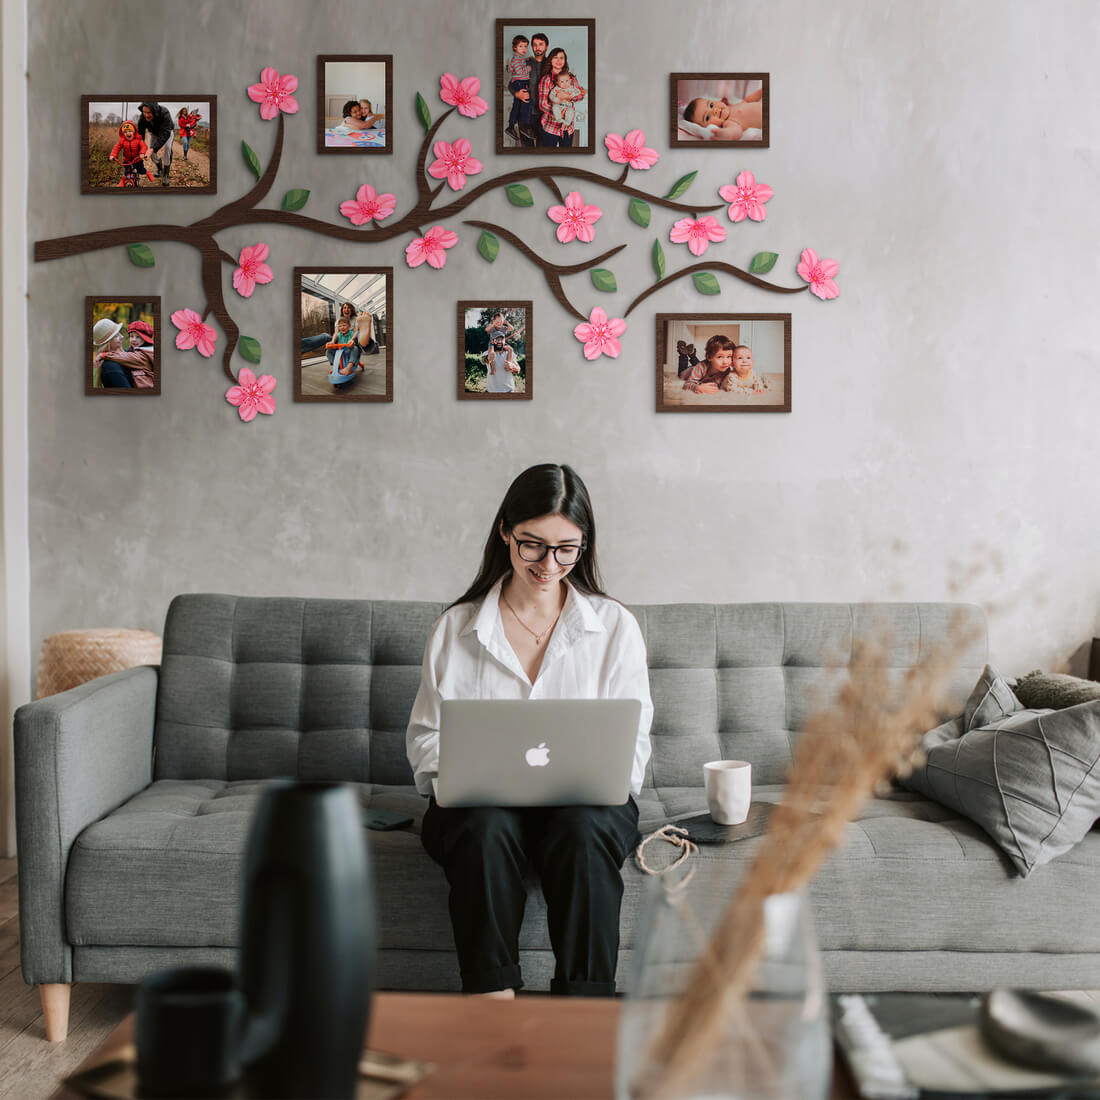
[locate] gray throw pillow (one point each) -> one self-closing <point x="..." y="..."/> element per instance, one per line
<point x="1052" y="689"/>
<point x="1030" y="779"/>
<point x="991" y="699"/>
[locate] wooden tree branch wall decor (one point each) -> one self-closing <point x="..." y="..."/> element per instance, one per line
<point x="452" y="167"/>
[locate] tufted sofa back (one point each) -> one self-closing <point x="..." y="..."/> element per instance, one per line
<point x="321" y="689"/>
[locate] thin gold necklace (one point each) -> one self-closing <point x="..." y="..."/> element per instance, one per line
<point x="539" y="636"/>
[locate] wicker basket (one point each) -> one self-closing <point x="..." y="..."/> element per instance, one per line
<point x="77" y="656"/>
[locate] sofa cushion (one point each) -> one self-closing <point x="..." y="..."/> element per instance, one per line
<point x="1030" y="779"/>
<point x="1055" y="690"/>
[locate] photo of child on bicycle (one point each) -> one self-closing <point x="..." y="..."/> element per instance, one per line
<point x="155" y="144"/>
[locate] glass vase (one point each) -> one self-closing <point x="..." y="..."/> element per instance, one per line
<point x="769" y="1042"/>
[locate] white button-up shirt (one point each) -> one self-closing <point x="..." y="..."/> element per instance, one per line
<point x="595" y="652"/>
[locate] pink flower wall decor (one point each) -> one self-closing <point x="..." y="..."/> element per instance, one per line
<point x="631" y="150"/>
<point x="575" y="219"/>
<point x="462" y="94"/>
<point x="697" y="235"/>
<point x="432" y="247"/>
<point x="453" y="163"/>
<point x="819" y="274"/>
<point x="252" y="269"/>
<point x="746" y="198"/>
<point x="252" y="395"/>
<point x="600" y="334"/>
<point x="368" y="205"/>
<point x="193" y="333"/>
<point x="274" y="93"/>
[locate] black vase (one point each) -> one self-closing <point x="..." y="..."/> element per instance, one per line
<point x="307" y="943"/>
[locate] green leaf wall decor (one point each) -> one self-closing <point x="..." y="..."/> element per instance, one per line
<point x="519" y="194"/>
<point x="681" y="185"/>
<point x="706" y="283"/>
<point x="602" y="279"/>
<point x="295" y="199"/>
<point x="763" y="262"/>
<point x="251" y="159"/>
<point x="488" y="245"/>
<point x="639" y="212"/>
<point x="422" y="112"/>
<point x="658" y="259"/>
<point x="250" y="348"/>
<point x="141" y="255"/>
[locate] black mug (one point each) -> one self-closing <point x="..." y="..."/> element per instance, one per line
<point x="188" y="1029"/>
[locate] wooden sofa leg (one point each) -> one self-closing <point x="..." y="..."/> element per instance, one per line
<point x="55" y="1008"/>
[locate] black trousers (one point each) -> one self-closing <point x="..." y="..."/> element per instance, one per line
<point x="488" y="852"/>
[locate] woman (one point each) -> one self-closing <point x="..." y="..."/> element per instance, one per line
<point x="351" y="357"/>
<point x="534" y="624"/>
<point x="554" y="132"/>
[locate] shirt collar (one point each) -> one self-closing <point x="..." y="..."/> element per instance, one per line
<point x="578" y="616"/>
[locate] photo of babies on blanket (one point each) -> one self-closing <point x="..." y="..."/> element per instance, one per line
<point x="545" y="93"/>
<point x="352" y="96"/>
<point x="721" y="109"/>
<point x="494" y="359"/>
<point x="724" y="362"/>
<point x="341" y="334"/>
<point x="161" y="145"/>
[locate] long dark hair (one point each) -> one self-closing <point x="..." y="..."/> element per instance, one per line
<point x="543" y="490"/>
<point x="548" y="68"/>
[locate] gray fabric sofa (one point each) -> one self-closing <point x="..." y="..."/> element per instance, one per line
<point x="134" y="794"/>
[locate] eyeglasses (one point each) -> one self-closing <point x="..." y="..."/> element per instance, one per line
<point x="568" y="554"/>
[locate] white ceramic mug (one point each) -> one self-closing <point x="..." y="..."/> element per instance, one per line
<point x="729" y="790"/>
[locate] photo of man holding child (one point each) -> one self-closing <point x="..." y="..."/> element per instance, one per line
<point x="494" y="351"/>
<point x="715" y="362"/>
<point x="545" y="85"/>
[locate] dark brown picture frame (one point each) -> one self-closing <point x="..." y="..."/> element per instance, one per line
<point x="677" y="141"/>
<point x="86" y="187"/>
<point x="670" y="387"/>
<point x="92" y="390"/>
<point x="528" y="306"/>
<point x="386" y="397"/>
<point x="502" y="51"/>
<point x="374" y="58"/>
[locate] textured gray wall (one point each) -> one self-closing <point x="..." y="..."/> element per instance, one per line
<point x="945" y="406"/>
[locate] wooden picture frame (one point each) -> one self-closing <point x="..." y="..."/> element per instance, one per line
<point x="332" y="287"/>
<point x="147" y="309"/>
<point x="469" y="380"/>
<point x="100" y="176"/>
<point x="506" y="30"/>
<point x="332" y="69"/>
<point x="770" y="363"/>
<point x="684" y="87"/>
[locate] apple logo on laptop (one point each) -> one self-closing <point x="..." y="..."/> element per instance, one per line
<point x="538" y="757"/>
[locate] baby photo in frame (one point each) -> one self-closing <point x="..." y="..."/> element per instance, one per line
<point x="164" y="145"/>
<point x="723" y="362"/>
<point x="719" y="110"/>
<point x="494" y="351"/>
<point x="545" y="86"/>
<point x="122" y="345"/>
<point x="354" y="92"/>
<point x="343" y="320"/>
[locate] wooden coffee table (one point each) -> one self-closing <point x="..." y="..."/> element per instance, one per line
<point x="535" y="1046"/>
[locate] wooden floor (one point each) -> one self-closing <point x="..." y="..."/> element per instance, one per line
<point x="370" y="380"/>
<point x="30" y="1068"/>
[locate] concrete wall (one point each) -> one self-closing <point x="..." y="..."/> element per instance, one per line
<point x="944" y="437"/>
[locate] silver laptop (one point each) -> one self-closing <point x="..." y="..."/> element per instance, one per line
<point x="536" y="752"/>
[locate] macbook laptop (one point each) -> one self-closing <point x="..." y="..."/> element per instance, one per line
<point x="536" y="752"/>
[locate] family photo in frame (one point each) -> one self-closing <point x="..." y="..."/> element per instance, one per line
<point x="122" y="346"/>
<point x="163" y="144"/>
<point x="545" y="86"/>
<point x="719" y="110"/>
<point x="354" y="92"/>
<point x="723" y="362"/>
<point x="342" y="325"/>
<point x="494" y="351"/>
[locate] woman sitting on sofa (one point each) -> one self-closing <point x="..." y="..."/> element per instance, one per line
<point x="538" y="592"/>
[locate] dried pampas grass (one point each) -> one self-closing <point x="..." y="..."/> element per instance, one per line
<point x="847" y="749"/>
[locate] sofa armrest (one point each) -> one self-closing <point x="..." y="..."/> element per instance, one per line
<point x="78" y="755"/>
